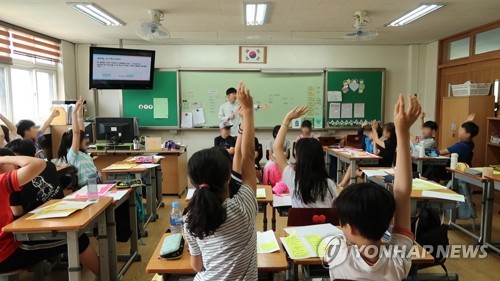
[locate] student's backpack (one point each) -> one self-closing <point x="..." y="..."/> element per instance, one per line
<point x="430" y="232"/>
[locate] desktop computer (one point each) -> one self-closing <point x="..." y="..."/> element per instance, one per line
<point x="116" y="130"/>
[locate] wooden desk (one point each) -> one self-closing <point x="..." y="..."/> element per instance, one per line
<point x="417" y="198"/>
<point x="430" y="161"/>
<point x="272" y="262"/>
<point x="151" y="188"/>
<point x="348" y="156"/>
<point x="262" y="202"/>
<point x="70" y="228"/>
<point x="173" y="167"/>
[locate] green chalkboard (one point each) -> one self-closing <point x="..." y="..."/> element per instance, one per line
<point x="354" y="96"/>
<point x="164" y="95"/>
<point x="207" y="89"/>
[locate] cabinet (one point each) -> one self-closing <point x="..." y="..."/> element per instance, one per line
<point x="454" y="112"/>
<point x="492" y="156"/>
<point x="174" y="173"/>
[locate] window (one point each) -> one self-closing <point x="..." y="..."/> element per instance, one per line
<point x="33" y="91"/>
<point x="487" y="41"/>
<point x="28" y="75"/>
<point x="458" y="49"/>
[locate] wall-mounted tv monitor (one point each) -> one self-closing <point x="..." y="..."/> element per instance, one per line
<point x="112" y="68"/>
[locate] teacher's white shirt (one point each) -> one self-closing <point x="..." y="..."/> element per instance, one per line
<point x="227" y="109"/>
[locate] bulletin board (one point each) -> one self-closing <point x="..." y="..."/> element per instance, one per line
<point x="354" y="95"/>
<point x="158" y="107"/>
<point x="206" y="90"/>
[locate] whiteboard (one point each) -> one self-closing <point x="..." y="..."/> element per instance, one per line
<point x="281" y="92"/>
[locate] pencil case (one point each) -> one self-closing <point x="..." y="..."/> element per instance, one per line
<point x="172" y="247"/>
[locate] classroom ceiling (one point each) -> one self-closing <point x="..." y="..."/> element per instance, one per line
<point x="222" y="21"/>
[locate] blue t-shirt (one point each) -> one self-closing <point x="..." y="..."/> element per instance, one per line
<point x="368" y="145"/>
<point x="464" y="150"/>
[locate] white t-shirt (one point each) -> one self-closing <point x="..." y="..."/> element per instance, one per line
<point x="289" y="179"/>
<point x="12" y="136"/>
<point x="388" y="268"/>
<point x="270" y="144"/>
<point x="231" y="252"/>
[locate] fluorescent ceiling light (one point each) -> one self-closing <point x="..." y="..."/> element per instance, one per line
<point x="255" y="13"/>
<point x="96" y="13"/>
<point x="418" y="12"/>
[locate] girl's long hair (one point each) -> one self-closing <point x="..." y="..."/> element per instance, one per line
<point x="209" y="171"/>
<point x="310" y="174"/>
<point x="66" y="141"/>
<point x="6" y="133"/>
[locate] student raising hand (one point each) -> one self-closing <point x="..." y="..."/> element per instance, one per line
<point x="403" y="120"/>
<point x="247" y="135"/>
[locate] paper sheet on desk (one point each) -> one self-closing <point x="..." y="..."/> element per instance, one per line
<point x="146" y="166"/>
<point x="261" y="193"/>
<point x="419" y="184"/>
<point x="323" y="230"/>
<point x="284" y="200"/>
<point x="190" y="194"/>
<point x="124" y="166"/>
<point x="443" y="195"/>
<point x="302" y="247"/>
<point x="60" y="209"/>
<point x="266" y="242"/>
<point x="82" y="193"/>
<point x="380" y="172"/>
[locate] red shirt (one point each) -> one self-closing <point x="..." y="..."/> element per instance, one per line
<point x="8" y="184"/>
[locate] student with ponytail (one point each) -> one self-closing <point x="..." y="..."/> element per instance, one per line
<point x="71" y="149"/>
<point x="220" y="230"/>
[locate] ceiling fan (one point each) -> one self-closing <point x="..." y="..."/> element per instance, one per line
<point x="361" y="20"/>
<point x="152" y="30"/>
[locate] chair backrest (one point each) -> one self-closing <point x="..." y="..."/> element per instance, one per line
<point x="310" y="216"/>
<point x="328" y="141"/>
<point x="353" y="141"/>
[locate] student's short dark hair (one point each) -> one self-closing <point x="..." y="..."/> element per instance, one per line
<point x="22" y="147"/>
<point x="391" y="128"/>
<point x="431" y="125"/>
<point x="6" y="152"/>
<point x="23" y="126"/>
<point x="306" y="124"/>
<point x="471" y="128"/>
<point x="367" y="128"/>
<point x="367" y="207"/>
<point x="276" y="129"/>
<point x="231" y="91"/>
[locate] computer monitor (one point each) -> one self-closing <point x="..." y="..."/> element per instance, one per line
<point x="117" y="129"/>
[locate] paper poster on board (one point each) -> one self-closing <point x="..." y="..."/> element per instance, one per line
<point x="346" y="111"/>
<point x="334" y="112"/>
<point x="359" y="110"/>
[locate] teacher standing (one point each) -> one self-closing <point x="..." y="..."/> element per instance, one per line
<point x="228" y="111"/>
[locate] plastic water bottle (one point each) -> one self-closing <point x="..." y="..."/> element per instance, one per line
<point x="93" y="194"/>
<point x="454" y="160"/>
<point x="176" y="218"/>
<point x="421" y="149"/>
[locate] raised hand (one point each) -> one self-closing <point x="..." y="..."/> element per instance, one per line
<point x="403" y="119"/>
<point x="422" y="115"/>
<point x="296" y="113"/>
<point x="244" y="97"/>
<point x="375" y="126"/>
<point x="55" y="113"/>
<point x="471" y="117"/>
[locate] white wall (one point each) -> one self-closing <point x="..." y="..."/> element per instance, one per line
<point x="409" y="69"/>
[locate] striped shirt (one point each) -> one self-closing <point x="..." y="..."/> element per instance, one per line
<point x="84" y="165"/>
<point x="231" y="252"/>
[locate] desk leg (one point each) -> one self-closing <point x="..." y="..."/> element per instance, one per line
<point x="420" y="167"/>
<point x="74" y="269"/>
<point x="150" y="198"/>
<point x="273" y="219"/>
<point x="264" y="209"/>
<point x="484" y="214"/>
<point x="339" y="170"/>
<point x="353" y="172"/>
<point x="111" y="234"/>
<point x="159" y="190"/>
<point x="104" y="250"/>
<point x="132" y="207"/>
<point x="488" y="212"/>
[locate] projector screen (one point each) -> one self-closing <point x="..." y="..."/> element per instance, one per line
<point x="112" y="68"/>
